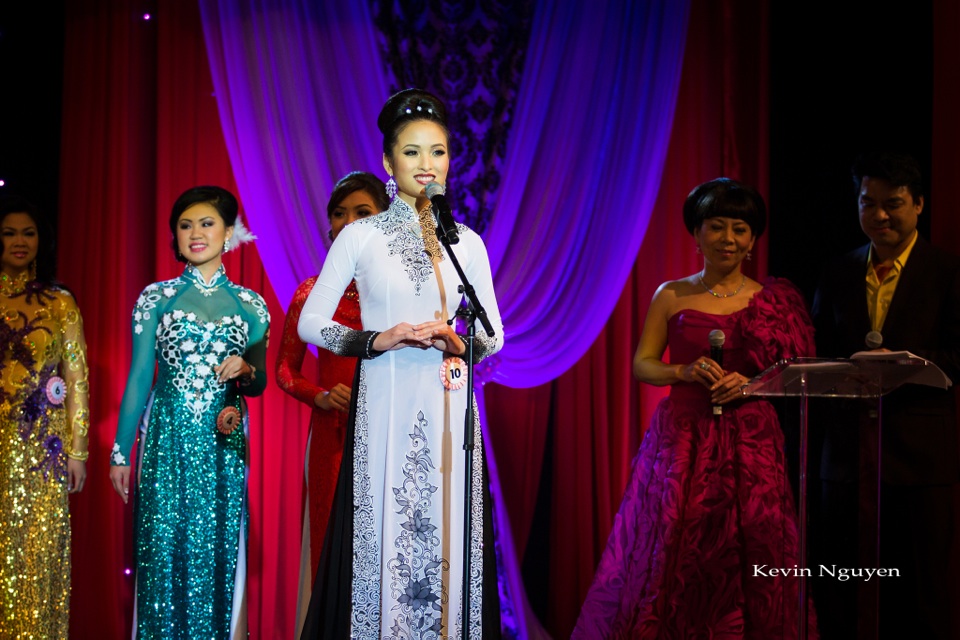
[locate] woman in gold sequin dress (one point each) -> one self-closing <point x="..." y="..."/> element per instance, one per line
<point x="43" y="428"/>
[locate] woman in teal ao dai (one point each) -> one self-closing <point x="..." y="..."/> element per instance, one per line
<point x="207" y="339"/>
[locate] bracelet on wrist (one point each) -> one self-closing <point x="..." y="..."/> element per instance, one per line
<point x="370" y="351"/>
<point x="79" y="455"/>
<point x="251" y="375"/>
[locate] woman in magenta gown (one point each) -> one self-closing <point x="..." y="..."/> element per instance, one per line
<point x="708" y="504"/>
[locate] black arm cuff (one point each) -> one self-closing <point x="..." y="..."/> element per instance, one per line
<point x="344" y="341"/>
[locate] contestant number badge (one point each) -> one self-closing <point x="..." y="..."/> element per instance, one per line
<point x="228" y="420"/>
<point x="453" y="373"/>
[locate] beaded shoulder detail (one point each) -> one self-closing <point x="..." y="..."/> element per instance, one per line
<point x="252" y="299"/>
<point x="151" y="295"/>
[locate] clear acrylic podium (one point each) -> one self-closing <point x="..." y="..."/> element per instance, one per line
<point x="868" y="375"/>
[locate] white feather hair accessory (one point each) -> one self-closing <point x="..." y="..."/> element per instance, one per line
<point x="241" y="235"/>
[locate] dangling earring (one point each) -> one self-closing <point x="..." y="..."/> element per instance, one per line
<point x="226" y="245"/>
<point x="698" y="249"/>
<point x="749" y="256"/>
<point x="330" y="234"/>
<point x="391" y="188"/>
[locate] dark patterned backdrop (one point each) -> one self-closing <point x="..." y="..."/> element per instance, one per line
<point x="471" y="55"/>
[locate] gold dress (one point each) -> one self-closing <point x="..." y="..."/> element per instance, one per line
<point x="43" y="421"/>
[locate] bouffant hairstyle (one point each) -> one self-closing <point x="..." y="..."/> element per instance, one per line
<point x="725" y="198"/>
<point x="217" y="197"/>
<point x="46" y="239"/>
<point x="359" y="181"/>
<point x="409" y="105"/>
<point x="897" y="169"/>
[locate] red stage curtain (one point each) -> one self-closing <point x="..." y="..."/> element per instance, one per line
<point x="140" y="125"/>
<point x="596" y="412"/>
<point x="106" y="234"/>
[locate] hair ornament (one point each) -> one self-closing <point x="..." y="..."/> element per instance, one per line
<point x="419" y="107"/>
<point x="241" y="235"/>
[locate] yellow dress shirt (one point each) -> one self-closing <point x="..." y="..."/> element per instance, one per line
<point x="879" y="294"/>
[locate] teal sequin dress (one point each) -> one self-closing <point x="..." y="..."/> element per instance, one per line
<point x="190" y="510"/>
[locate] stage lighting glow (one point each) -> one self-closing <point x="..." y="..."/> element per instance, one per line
<point x="146" y="16"/>
<point x="3" y="183"/>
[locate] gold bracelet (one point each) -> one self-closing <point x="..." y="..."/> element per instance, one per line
<point x="79" y="455"/>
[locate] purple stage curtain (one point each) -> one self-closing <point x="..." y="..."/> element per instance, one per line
<point x="299" y="85"/>
<point x="582" y="172"/>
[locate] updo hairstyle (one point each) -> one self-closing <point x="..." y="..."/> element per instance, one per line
<point x="217" y="197"/>
<point x="359" y="181"/>
<point x="409" y="105"/>
<point x="725" y="198"/>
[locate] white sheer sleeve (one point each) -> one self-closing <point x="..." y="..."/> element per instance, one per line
<point x="316" y="324"/>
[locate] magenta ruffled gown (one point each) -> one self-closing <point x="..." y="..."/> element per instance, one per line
<point x="708" y="498"/>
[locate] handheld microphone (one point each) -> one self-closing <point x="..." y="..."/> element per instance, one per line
<point x="874" y="340"/>
<point x="446" y="226"/>
<point x="717" y="338"/>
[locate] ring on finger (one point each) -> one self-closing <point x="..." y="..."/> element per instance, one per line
<point x="704" y="365"/>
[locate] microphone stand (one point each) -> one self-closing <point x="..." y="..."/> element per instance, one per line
<point x="471" y="313"/>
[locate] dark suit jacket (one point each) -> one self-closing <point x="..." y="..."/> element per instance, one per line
<point x="920" y="428"/>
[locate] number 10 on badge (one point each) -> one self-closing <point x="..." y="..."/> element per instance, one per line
<point x="453" y="373"/>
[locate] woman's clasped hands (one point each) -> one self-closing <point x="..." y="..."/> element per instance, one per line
<point x="436" y="334"/>
<point x="724" y="386"/>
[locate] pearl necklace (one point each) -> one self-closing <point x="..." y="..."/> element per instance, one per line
<point x="721" y="295"/>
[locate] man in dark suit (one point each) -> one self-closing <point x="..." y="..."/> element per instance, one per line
<point x="909" y="291"/>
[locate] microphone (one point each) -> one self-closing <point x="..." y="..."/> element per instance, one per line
<point x="446" y="227"/>
<point x="717" y="338"/>
<point x="874" y="340"/>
